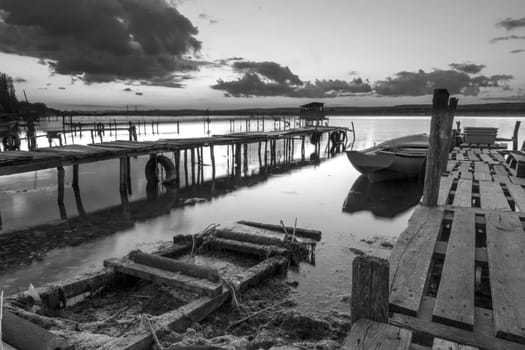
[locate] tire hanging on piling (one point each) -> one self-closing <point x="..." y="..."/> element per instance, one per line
<point x="151" y="168"/>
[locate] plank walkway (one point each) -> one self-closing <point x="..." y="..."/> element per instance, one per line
<point x="457" y="272"/>
<point x="12" y="162"/>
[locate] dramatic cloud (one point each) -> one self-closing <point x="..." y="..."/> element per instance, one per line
<point x="208" y="18"/>
<point x="19" y="80"/>
<point x="517" y="51"/>
<point x="100" y="40"/>
<point x="421" y="83"/>
<point x="469" y="68"/>
<point x="510" y="23"/>
<point x="271" y="70"/>
<point x="508" y="37"/>
<point x="128" y="89"/>
<point x="272" y="79"/>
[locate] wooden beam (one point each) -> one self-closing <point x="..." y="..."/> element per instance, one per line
<point x="366" y="334"/>
<point x="438" y="124"/>
<point x="369" y="289"/>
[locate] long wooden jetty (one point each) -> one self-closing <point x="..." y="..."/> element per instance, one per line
<point x="13" y="162"/>
<point x="457" y="272"/>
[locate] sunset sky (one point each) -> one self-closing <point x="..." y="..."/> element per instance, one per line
<point x="169" y="54"/>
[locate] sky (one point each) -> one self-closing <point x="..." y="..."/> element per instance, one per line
<point x="175" y="54"/>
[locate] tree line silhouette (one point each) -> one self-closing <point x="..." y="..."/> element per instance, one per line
<point x="8" y="101"/>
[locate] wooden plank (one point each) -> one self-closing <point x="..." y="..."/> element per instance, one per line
<point x="475" y="339"/>
<point x="517" y="180"/>
<point x="492" y="196"/>
<point x="366" y="334"/>
<point x="479" y="253"/>
<point x="501" y="179"/>
<point x="518" y="194"/>
<point x="169" y="278"/>
<point x="463" y="194"/>
<point x="464" y="169"/>
<point x="414" y="247"/>
<point x="441" y="344"/>
<point x="444" y="189"/>
<point x="506" y="253"/>
<point x="455" y="297"/>
<point x="500" y="169"/>
<point x="488" y="159"/>
<point x="308" y="233"/>
<point x="245" y="247"/>
<point x="497" y="156"/>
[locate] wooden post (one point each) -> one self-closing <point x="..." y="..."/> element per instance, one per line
<point x="259" y="153"/>
<point x="123" y="183"/>
<point x="245" y="160"/>
<point x="128" y="175"/>
<point x="177" y="166"/>
<point x="238" y="156"/>
<point x="370" y="289"/>
<point x="212" y="156"/>
<point x="433" y="162"/>
<point x="265" y="154"/>
<point x="185" y="168"/>
<point x="60" y="199"/>
<point x="446" y="135"/>
<point x="76" y="191"/>
<point x="303" y="149"/>
<point x="515" y="136"/>
<point x="193" y="166"/>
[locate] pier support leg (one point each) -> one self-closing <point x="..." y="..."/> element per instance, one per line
<point x="60" y="200"/>
<point x="369" y="289"/>
<point x="238" y="156"/>
<point x="177" y="166"/>
<point x="437" y="143"/>
<point x="245" y="160"/>
<point x="185" y="168"/>
<point x="123" y="182"/>
<point x="193" y="166"/>
<point x="76" y="190"/>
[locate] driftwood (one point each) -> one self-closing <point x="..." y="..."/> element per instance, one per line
<point x="168" y="264"/>
<point x="25" y="335"/>
<point x="253" y="315"/>
<point x="300" y="232"/>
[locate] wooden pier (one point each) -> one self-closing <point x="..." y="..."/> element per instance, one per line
<point x="13" y="162"/>
<point x="457" y="272"/>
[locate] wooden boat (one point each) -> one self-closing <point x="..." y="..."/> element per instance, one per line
<point x="399" y="158"/>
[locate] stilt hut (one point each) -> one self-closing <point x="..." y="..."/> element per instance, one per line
<point x="312" y="113"/>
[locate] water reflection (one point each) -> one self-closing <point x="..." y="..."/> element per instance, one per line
<point x="22" y="247"/>
<point x="384" y="199"/>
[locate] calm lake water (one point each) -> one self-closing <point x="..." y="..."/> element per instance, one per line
<point x="315" y="193"/>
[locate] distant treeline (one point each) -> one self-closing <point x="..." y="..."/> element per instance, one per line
<point x="8" y="101"/>
<point x="401" y="110"/>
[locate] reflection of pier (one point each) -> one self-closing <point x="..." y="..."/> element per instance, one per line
<point x="24" y="246"/>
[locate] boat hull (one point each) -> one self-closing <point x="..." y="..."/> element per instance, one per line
<point x="392" y="160"/>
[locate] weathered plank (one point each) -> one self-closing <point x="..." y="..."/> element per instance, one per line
<point x="366" y="334"/>
<point x="464" y="169"/>
<point x="463" y="194"/>
<point x="517" y="180"/>
<point x="245" y="247"/>
<point x="506" y="253"/>
<point x="492" y="196"/>
<point x="499" y="169"/>
<point x="501" y="179"/>
<point x="481" y="168"/>
<point x="479" y="253"/>
<point x="455" y="297"/>
<point x="518" y="194"/>
<point x="441" y="344"/>
<point x="169" y="278"/>
<point x="478" y="340"/>
<point x="444" y="189"/>
<point x="302" y="232"/>
<point x="414" y="247"/>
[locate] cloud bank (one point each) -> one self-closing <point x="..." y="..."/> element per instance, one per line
<point x="272" y="79"/>
<point x="510" y="23"/>
<point x="100" y="40"/>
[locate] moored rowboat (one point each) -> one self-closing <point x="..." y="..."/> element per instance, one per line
<point x="399" y="158"/>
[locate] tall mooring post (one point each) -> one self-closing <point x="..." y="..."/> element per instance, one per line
<point x="440" y="131"/>
<point x="370" y="289"/>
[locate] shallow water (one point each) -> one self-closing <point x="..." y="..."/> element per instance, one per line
<point x="313" y="193"/>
